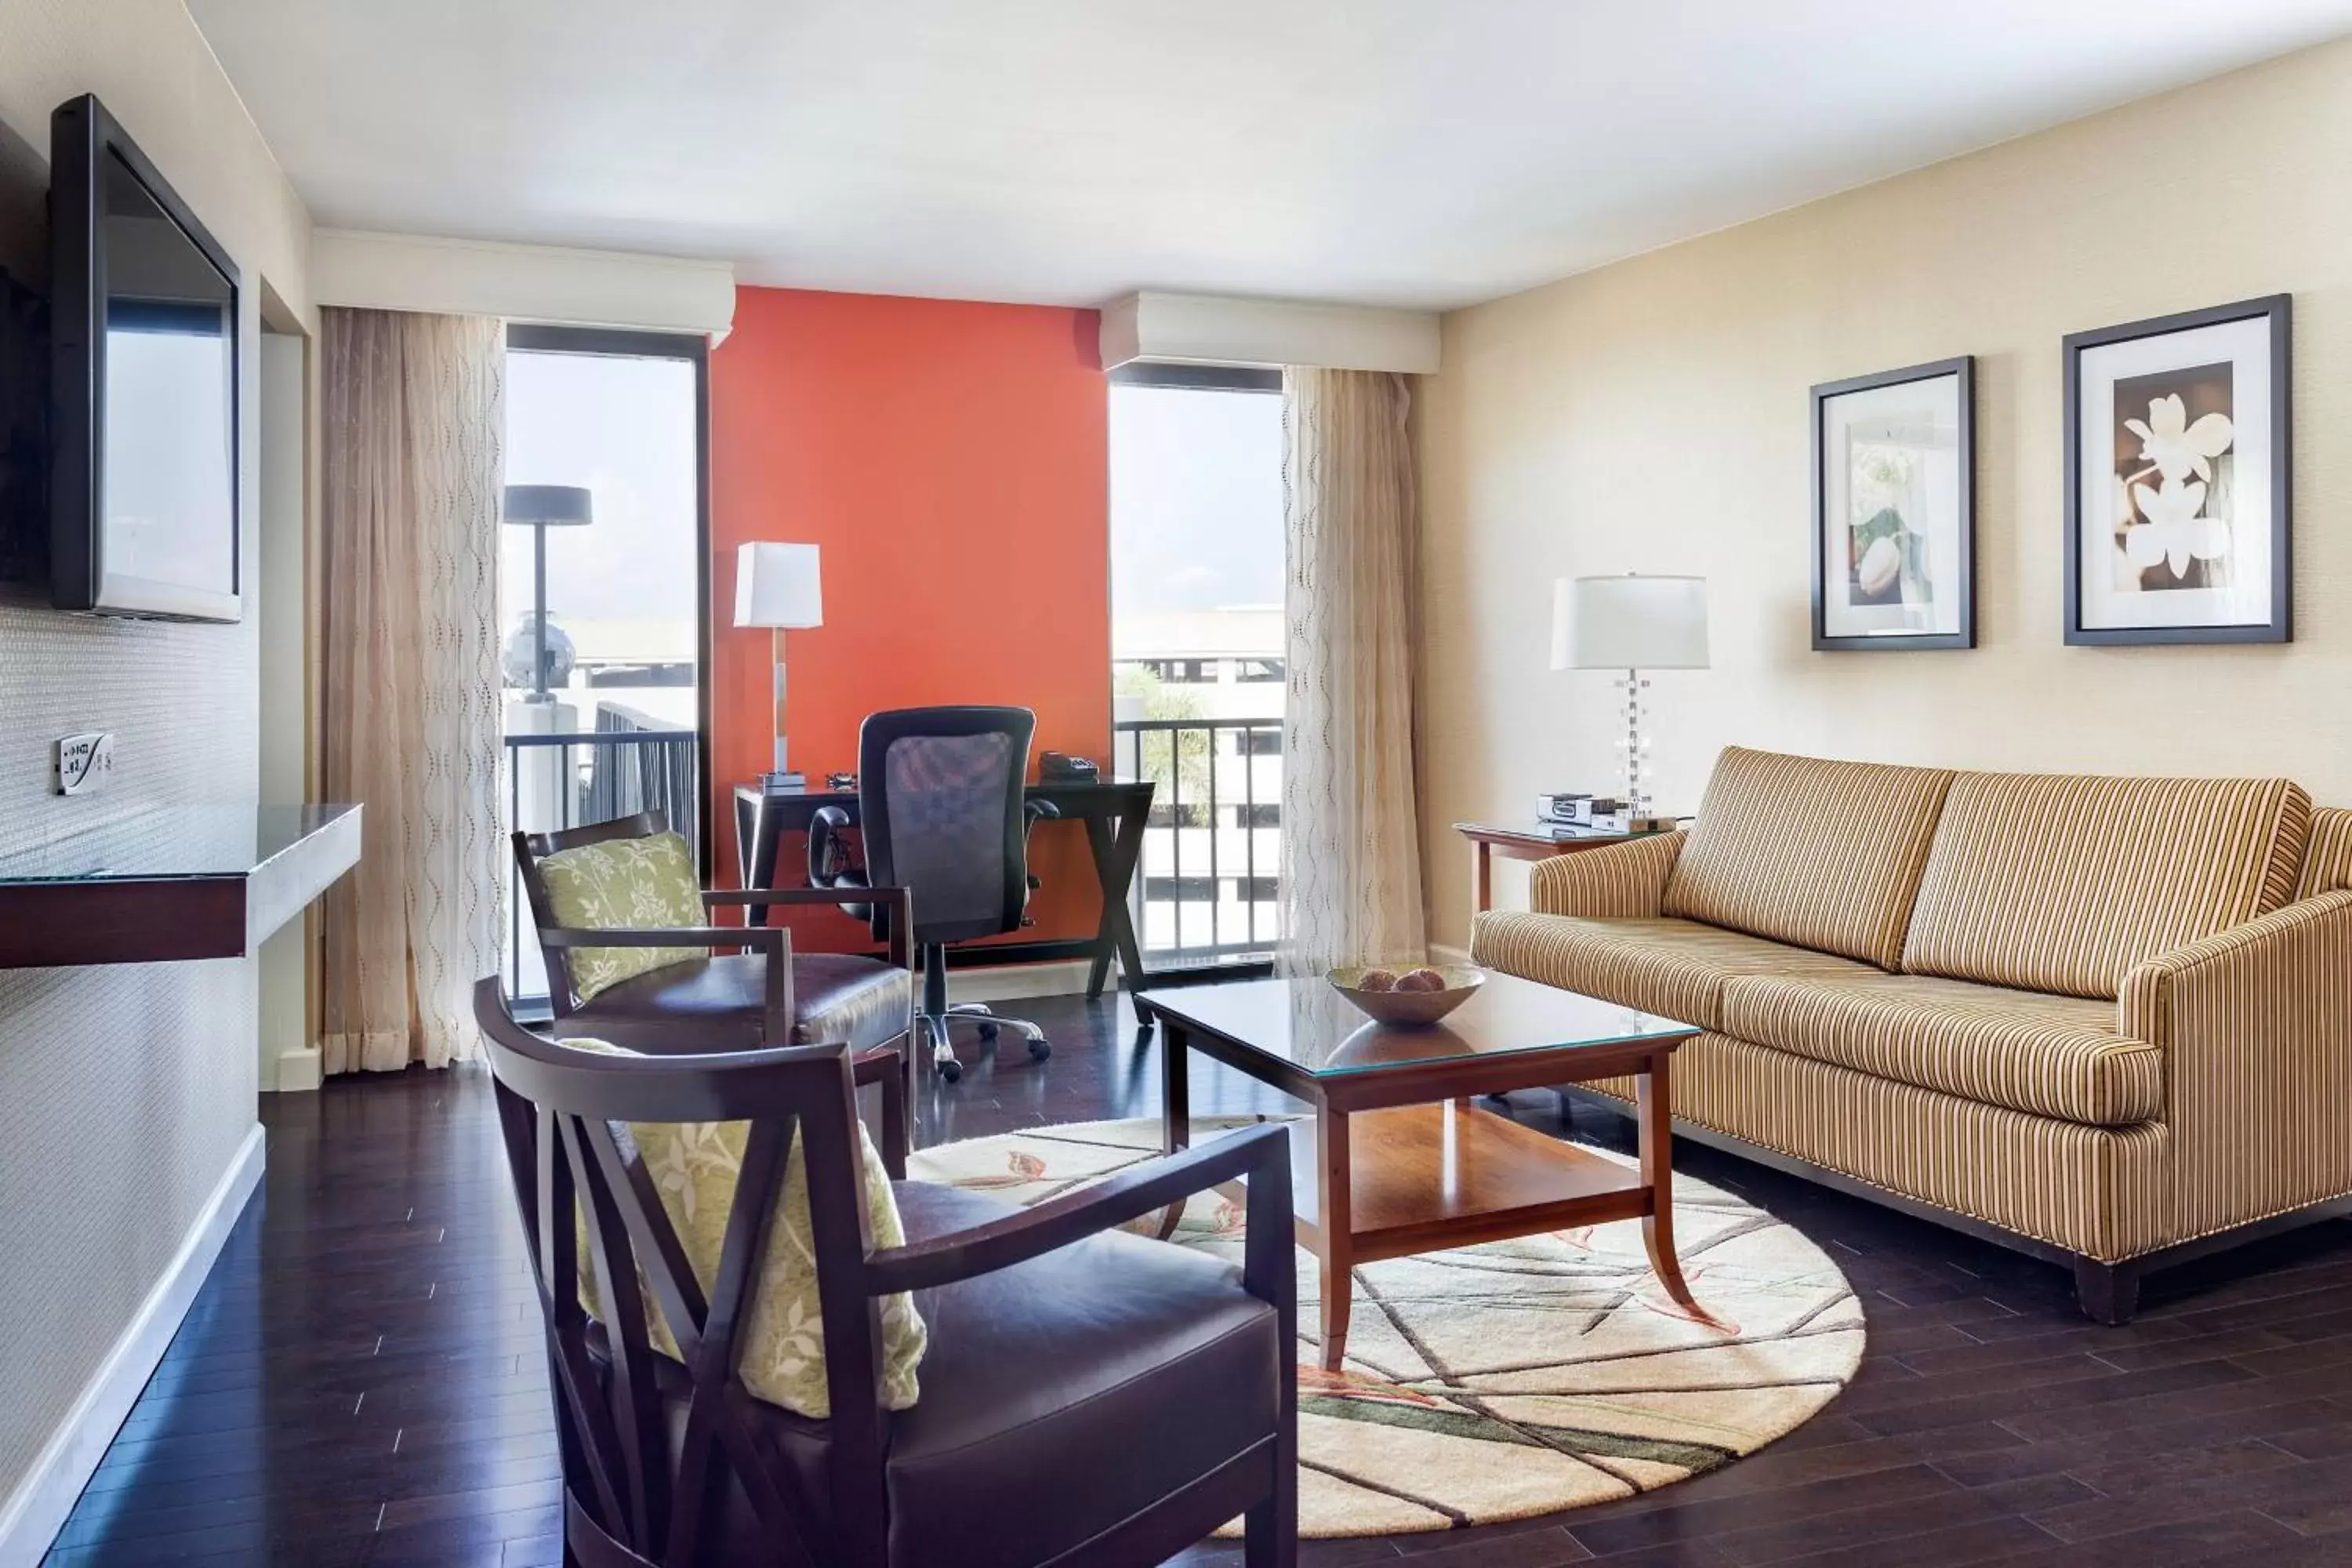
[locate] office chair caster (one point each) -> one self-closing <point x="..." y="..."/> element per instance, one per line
<point x="944" y="1057"/>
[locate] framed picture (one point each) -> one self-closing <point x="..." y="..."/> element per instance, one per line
<point x="2178" y="478"/>
<point x="1895" y="508"/>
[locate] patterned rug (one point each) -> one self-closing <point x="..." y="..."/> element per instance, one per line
<point x="1516" y="1378"/>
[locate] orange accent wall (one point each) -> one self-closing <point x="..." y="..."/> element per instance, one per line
<point x="951" y="461"/>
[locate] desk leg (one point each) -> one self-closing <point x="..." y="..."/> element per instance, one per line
<point x="1482" y="877"/>
<point x="761" y="872"/>
<point x="1656" y="1111"/>
<point x="1115" y="855"/>
<point x="1175" y="1111"/>
<point x="1333" y="1228"/>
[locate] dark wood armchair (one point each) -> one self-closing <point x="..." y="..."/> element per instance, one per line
<point x="762" y="994"/>
<point x="1089" y="1398"/>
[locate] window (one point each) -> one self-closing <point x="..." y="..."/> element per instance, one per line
<point x="606" y="544"/>
<point x="1258" y="889"/>
<point x="1197" y="577"/>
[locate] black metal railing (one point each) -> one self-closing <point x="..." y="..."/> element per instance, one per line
<point x="1207" y="888"/>
<point x="566" y="780"/>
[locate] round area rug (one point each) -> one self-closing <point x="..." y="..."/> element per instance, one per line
<point x="1516" y="1378"/>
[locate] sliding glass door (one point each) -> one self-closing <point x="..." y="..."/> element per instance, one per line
<point x="604" y="610"/>
<point x="1198" y="682"/>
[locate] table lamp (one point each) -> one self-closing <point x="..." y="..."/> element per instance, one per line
<point x="1632" y="624"/>
<point x="776" y="587"/>
<point x="540" y="507"/>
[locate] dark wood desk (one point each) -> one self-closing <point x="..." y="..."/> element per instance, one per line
<point x="1113" y="813"/>
<point x="170" y="883"/>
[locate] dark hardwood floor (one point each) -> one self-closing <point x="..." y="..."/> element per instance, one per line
<point x="361" y="1380"/>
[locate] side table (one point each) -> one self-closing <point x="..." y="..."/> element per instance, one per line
<point x="1521" y="844"/>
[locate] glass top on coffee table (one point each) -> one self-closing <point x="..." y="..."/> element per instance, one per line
<point x="1312" y="1028"/>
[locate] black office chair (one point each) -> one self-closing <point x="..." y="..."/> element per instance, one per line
<point x="940" y="797"/>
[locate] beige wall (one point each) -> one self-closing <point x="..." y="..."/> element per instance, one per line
<point x="125" y="1092"/>
<point x="1653" y="415"/>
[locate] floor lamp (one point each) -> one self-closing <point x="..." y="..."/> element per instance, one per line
<point x="776" y="586"/>
<point x="1632" y="624"/>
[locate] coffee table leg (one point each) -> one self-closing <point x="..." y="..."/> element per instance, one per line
<point x="1331" y="1228"/>
<point x="1656" y="1107"/>
<point x="1175" y="1109"/>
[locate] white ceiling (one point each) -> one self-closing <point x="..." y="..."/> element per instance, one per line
<point x="1423" y="152"/>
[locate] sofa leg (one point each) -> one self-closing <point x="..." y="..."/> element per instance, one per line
<point x="2107" y="1292"/>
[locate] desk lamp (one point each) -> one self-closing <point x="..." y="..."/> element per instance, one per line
<point x="776" y="587"/>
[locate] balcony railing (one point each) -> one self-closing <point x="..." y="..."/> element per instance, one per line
<point x="565" y="779"/>
<point x="1208" y="890"/>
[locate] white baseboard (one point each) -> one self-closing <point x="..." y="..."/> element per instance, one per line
<point x="298" y="1071"/>
<point x="1011" y="982"/>
<point x="36" y="1510"/>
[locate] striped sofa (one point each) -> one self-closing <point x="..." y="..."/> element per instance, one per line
<point x="2108" y="1021"/>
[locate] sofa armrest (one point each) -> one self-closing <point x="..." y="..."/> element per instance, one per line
<point x="2255" y="1022"/>
<point x="1619" y="883"/>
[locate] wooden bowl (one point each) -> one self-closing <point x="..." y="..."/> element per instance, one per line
<point x="1408" y="1007"/>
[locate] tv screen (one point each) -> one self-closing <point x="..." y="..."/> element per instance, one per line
<point x="144" y="325"/>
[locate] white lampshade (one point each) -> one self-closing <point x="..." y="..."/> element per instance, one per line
<point x="1629" y="623"/>
<point x="776" y="585"/>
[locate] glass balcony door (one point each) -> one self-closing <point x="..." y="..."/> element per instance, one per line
<point x="604" y="609"/>
<point x="1198" y="677"/>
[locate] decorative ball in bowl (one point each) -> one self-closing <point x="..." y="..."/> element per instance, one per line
<point x="1406" y="993"/>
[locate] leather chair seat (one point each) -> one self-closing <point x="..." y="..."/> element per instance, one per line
<point x="716" y="1004"/>
<point x="1058" y="1398"/>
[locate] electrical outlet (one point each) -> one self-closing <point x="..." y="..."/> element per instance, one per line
<point x="83" y="762"/>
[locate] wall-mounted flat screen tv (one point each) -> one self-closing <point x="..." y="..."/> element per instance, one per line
<point x="143" y="324"/>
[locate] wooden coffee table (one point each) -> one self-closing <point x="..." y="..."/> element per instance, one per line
<point x="1402" y="1161"/>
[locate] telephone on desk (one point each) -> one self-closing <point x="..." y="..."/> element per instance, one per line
<point x="1052" y="767"/>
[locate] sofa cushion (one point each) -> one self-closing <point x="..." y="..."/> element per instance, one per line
<point x="1822" y="854"/>
<point x="2327" y="863"/>
<point x="1676" y="969"/>
<point x="2104" y="1190"/>
<point x="2062" y="883"/>
<point x="2050" y="1056"/>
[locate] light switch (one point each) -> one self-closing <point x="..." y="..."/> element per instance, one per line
<point x="83" y="762"/>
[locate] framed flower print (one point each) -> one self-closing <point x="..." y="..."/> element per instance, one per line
<point x="2178" y="478"/>
<point x="1895" y="508"/>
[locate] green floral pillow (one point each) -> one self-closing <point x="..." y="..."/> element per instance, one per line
<point x="781" y="1348"/>
<point x="623" y="884"/>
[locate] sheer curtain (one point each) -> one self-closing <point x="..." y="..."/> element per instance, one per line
<point x="409" y="718"/>
<point x="1351" y="833"/>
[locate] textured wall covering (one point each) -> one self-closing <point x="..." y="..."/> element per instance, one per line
<point x="124" y="1091"/>
<point x="1651" y="415"/>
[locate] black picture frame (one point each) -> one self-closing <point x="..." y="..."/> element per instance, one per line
<point x="1964" y="368"/>
<point x="2280" y="627"/>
